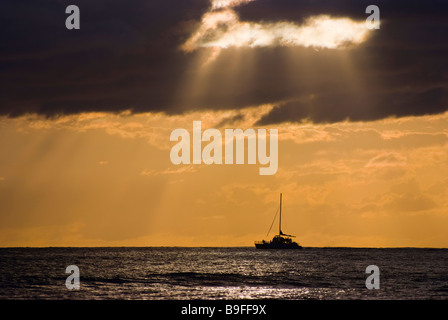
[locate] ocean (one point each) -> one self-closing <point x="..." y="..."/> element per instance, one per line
<point x="176" y="273"/>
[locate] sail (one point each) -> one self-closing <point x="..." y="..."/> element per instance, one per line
<point x="280" y="241"/>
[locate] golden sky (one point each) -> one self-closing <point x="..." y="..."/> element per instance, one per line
<point x="98" y="179"/>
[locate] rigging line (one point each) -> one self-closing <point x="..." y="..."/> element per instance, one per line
<point x="273" y="221"/>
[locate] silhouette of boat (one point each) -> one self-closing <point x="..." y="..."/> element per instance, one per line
<point x="281" y="240"/>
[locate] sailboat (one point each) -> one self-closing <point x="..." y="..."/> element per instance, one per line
<point x="281" y="240"/>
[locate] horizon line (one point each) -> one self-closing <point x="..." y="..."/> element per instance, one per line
<point x="175" y="246"/>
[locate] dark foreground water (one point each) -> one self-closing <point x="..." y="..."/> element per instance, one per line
<point x="223" y="273"/>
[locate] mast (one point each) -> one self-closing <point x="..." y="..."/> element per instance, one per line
<point x="280" y="220"/>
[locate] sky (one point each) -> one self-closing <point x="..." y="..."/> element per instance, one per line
<point x="86" y="117"/>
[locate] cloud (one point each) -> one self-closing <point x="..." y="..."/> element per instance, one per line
<point x="408" y="197"/>
<point x="170" y="171"/>
<point x="387" y="159"/>
<point x="223" y="29"/>
<point x="130" y="57"/>
<point x="219" y="4"/>
<point x="346" y="104"/>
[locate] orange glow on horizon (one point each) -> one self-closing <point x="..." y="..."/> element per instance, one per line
<point x="106" y="180"/>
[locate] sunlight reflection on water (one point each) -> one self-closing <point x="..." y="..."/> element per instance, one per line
<point x="223" y="273"/>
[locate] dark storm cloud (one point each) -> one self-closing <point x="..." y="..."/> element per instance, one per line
<point x="342" y="106"/>
<point x="126" y="56"/>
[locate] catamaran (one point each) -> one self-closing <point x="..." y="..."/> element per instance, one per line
<point x="281" y="240"/>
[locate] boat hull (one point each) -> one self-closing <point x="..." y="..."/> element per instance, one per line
<point x="278" y="243"/>
<point x="276" y="246"/>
